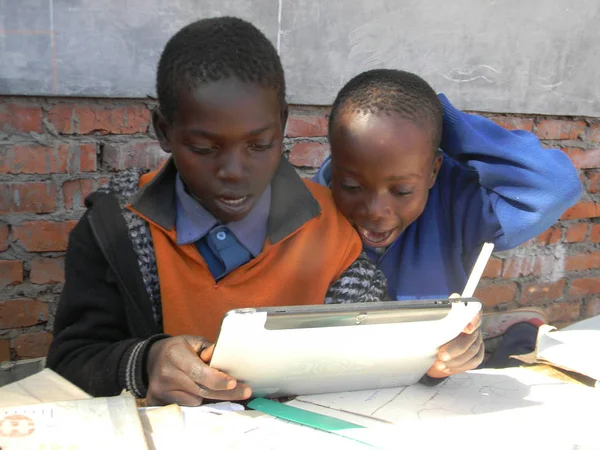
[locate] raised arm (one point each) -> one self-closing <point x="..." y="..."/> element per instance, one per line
<point x="521" y="186"/>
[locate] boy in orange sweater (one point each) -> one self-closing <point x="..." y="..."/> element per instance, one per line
<point x="159" y="258"/>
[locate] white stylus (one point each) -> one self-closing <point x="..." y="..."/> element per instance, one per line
<point x="478" y="268"/>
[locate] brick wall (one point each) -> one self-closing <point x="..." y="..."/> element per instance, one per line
<point x="53" y="152"/>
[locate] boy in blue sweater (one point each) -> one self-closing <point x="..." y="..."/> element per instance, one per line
<point x="423" y="215"/>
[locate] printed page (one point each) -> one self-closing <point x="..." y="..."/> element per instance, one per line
<point x="93" y="424"/>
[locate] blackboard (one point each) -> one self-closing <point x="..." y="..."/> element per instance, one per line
<point x="530" y="56"/>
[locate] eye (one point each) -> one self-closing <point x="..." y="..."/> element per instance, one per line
<point x="203" y="150"/>
<point x="401" y="192"/>
<point x="350" y="187"/>
<point x="260" y="147"/>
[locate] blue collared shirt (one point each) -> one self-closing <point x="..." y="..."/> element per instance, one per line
<point x="225" y="247"/>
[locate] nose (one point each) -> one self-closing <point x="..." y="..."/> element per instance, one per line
<point x="231" y="166"/>
<point x="375" y="208"/>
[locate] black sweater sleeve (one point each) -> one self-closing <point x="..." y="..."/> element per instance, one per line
<point x="94" y="346"/>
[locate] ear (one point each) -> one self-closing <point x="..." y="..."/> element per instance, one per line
<point x="285" y="112"/>
<point x="435" y="170"/>
<point x="161" y="128"/>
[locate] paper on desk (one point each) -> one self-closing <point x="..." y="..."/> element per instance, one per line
<point x="97" y="423"/>
<point x="163" y="427"/>
<point x="43" y="387"/>
<point x="510" y="399"/>
<point x="252" y="430"/>
<point x="575" y="348"/>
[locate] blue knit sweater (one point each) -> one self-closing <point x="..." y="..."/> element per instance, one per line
<point x="494" y="186"/>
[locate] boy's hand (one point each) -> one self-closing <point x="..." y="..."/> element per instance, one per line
<point x="465" y="352"/>
<point x="178" y="373"/>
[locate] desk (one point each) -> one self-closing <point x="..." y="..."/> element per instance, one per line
<point x="508" y="408"/>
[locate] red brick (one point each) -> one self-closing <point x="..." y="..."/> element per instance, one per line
<point x="540" y="293"/>
<point x="4" y="350"/>
<point x="593" y="307"/>
<point x="22" y="313"/>
<point x="47" y="271"/>
<point x="576" y="232"/>
<point x="594" y="180"/>
<point x="514" y="123"/>
<point x="11" y="273"/>
<point x="595" y="234"/>
<point x="308" y="154"/>
<point x="75" y="192"/>
<point x="583" y="261"/>
<point x="584" y="159"/>
<point x="584" y="286"/>
<point x="528" y="265"/>
<point x="563" y="312"/>
<point x="582" y="210"/>
<point x="495" y="294"/>
<point x="493" y="269"/>
<point x="40" y="159"/>
<point x="560" y="129"/>
<point x="144" y="154"/>
<point x="551" y="236"/>
<point x="87" y="158"/>
<point x="595" y="133"/>
<point x="15" y="117"/>
<point x="306" y="126"/>
<point x="3" y="238"/>
<point x="43" y="236"/>
<point x="28" y="197"/>
<point x="32" y="345"/>
<point x="76" y="119"/>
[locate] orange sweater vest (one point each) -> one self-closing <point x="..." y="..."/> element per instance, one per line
<point x="297" y="270"/>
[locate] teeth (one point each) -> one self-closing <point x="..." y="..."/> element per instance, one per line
<point x="233" y="202"/>
<point x="375" y="237"/>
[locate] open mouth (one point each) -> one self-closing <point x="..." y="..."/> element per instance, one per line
<point x="233" y="201"/>
<point x="233" y="204"/>
<point x="375" y="238"/>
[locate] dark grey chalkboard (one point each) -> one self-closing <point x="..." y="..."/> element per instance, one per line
<point x="528" y="56"/>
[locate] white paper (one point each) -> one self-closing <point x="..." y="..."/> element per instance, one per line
<point x="506" y="403"/>
<point x="163" y="426"/>
<point x="575" y="348"/>
<point x="43" y="387"/>
<point x="98" y="423"/>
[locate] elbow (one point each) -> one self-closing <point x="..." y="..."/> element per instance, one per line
<point x="574" y="190"/>
<point x="568" y="185"/>
<point x="571" y="189"/>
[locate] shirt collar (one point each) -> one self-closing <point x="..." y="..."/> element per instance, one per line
<point x="291" y="204"/>
<point x="193" y="221"/>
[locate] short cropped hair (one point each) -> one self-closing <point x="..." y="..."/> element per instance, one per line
<point x="392" y="91"/>
<point x="215" y="49"/>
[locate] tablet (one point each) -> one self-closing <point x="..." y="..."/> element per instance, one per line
<point x="298" y="350"/>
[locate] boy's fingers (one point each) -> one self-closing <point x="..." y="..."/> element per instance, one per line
<point x="457" y="346"/>
<point x="207" y="353"/>
<point x="240" y="392"/>
<point x="208" y="377"/>
<point x="473" y="324"/>
<point x="434" y="372"/>
<point x="455" y="295"/>
<point x="467" y="356"/>
<point x="470" y="364"/>
<point x="198" y="343"/>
